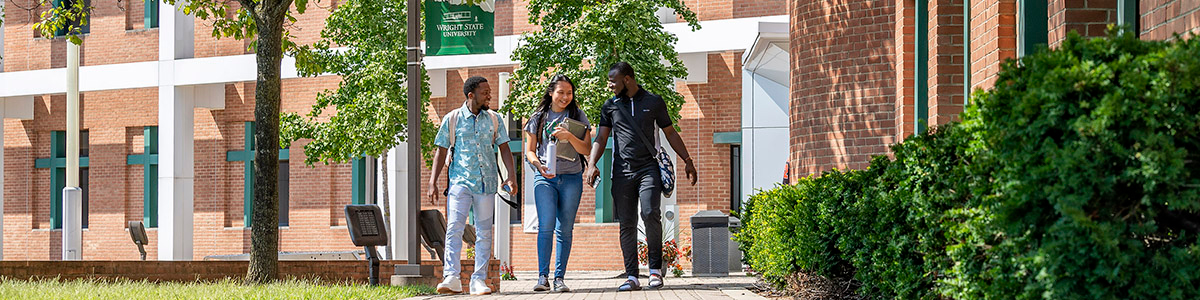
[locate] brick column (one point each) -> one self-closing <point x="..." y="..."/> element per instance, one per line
<point x="1161" y="19"/>
<point x="1087" y="17"/>
<point x="844" y="83"/>
<point x="906" y="68"/>
<point x="993" y="39"/>
<point x="946" y="59"/>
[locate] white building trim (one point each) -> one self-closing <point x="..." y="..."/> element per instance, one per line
<point x="714" y="36"/>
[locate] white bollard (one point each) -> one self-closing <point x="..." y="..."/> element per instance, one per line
<point x="72" y="231"/>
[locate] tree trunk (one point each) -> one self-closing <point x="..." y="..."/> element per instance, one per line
<point x="383" y="201"/>
<point x="264" y="231"/>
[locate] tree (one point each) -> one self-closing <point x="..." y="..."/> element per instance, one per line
<point x="370" y="104"/>
<point x="262" y="20"/>
<point x="582" y="38"/>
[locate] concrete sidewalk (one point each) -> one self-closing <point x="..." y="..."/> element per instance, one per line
<point x="603" y="285"/>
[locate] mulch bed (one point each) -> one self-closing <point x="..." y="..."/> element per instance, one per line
<point x="801" y="285"/>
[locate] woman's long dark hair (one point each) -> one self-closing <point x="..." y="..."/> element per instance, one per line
<point x="548" y="99"/>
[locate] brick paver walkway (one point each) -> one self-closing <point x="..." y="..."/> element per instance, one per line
<point x="603" y="285"/>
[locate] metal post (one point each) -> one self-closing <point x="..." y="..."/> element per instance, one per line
<point x="71" y="206"/>
<point x="414" y="127"/>
<point x="72" y="114"/>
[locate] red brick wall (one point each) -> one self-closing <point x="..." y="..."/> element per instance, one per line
<point x="906" y="68"/>
<point x="710" y="107"/>
<point x="1161" y="19"/>
<point x="843" y="103"/>
<point x="946" y="57"/>
<point x="1086" y="17"/>
<point x="993" y="39"/>
<point x="317" y="194"/>
<point x="25" y="50"/>
<point x="758" y="8"/>
<point x="187" y="271"/>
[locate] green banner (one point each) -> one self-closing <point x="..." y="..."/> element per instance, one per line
<point x="453" y="27"/>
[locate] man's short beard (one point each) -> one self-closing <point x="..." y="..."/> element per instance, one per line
<point x="485" y="107"/>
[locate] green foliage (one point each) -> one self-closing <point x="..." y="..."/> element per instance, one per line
<point x="1071" y="179"/>
<point x="582" y="38"/>
<point x="69" y="20"/>
<point x="221" y="289"/>
<point x="1095" y="193"/>
<point x="895" y="233"/>
<point x="370" y="104"/>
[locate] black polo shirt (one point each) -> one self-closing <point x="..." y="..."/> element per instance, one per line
<point x="648" y="110"/>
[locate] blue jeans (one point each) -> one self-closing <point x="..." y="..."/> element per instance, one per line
<point x="557" y="201"/>
<point x="459" y="203"/>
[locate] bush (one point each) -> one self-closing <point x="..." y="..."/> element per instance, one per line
<point x="1095" y="149"/>
<point x="1071" y="179"/>
<point x="793" y="227"/>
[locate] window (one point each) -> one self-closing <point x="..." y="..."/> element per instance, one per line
<point x="246" y="156"/>
<point x="86" y="28"/>
<point x="150" y="16"/>
<point x="57" y="163"/>
<point x="735" y="179"/>
<point x="149" y="162"/>
<point x="283" y="182"/>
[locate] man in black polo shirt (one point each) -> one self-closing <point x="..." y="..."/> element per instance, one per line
<point x="636" y="177"/>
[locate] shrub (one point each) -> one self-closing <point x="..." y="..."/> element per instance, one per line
<point x="1095" y="186"/>
<point x="1071" y="179"/>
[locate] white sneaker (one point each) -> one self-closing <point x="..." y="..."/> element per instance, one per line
<point x="450" y="285"/>
<point x="479" y="287"/>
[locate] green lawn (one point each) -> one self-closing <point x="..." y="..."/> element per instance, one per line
<point x="225" y="289"/>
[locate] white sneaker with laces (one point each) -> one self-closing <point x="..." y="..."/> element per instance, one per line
<point x="479" y="287"/>
<point x="450" y="285"/>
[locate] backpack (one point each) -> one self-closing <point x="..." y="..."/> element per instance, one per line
<point x="452" y="121"/>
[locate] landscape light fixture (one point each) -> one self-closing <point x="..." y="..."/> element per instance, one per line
<point x="138" y="233"/>
<point x="367" y="230"/>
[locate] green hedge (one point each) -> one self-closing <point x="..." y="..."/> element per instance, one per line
<point x="1071" y="179"/>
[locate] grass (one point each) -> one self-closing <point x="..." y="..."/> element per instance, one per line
<point x="224" y="289"/>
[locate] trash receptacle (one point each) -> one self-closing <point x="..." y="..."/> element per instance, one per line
<point x="710" y="243"/>
<point x="735" y="254"/>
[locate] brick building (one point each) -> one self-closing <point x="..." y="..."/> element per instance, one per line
<point x="158" y="91"/>
<point x="868" y="73"/>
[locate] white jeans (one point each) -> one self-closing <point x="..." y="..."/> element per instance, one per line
<point x="459" y="203"/>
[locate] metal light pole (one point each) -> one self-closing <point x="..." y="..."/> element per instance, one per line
<point x="72" y="217"/>
<point x="414" y="129"/>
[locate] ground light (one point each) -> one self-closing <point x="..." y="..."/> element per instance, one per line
<point x="365" y="223"/>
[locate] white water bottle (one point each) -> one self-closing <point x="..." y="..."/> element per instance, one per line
<point x="552" y="157"/>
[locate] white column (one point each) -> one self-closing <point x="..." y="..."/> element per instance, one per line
<point x="71" y="206"/>
<point x="502" y="235"/>
<point x="176" y="169"/>
<point x="175" y="173"/>
<point x="397" y="187"/>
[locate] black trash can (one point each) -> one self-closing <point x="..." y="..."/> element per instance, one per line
<point x="710" y="244"/>
<point x="735" y="254"/>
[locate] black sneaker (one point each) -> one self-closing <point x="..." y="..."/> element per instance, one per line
<point x="656" y="282"/>
<point x="542" y="284"/>
<point x="629" y="285"/>
<point x="559" y="286"/>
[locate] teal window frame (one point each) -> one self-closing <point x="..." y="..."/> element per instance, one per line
<point x="57" y="163"/>
<point x="1128" y="16"/>
<point x="150" y="14"/>
<point x="149" y="162"/>
<point x="86" y="28"/>
<point x="604" y="201"/>
<point x="922" y="72"/>
<point x="1032" y="26"/>
<point x="359" y="168"/>
<point x="246" y="156"/>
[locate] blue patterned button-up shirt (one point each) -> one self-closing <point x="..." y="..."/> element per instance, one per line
<point x="473" y="161"/>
